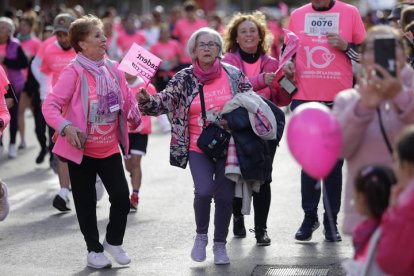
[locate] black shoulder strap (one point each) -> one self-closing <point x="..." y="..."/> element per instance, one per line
<point x="203" y="106"/>
<point x="384" y="134"/>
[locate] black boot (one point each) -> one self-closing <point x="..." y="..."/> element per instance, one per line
<point x="310" y="223"/>
<point x="262" y="239"/>
<point x="331" y="229"/>
<point x="239" y="230"/>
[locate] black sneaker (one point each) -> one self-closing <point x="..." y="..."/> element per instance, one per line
<point x="60" y="204"/>
<point x="239" y="230"/>
<point x="262" y="239"/>
<point x="41" y="157"/>
<point x="310" y="223"/>
<point x="332" y="236"/>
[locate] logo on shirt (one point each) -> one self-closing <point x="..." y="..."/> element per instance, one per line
<point x="318" y="57"/>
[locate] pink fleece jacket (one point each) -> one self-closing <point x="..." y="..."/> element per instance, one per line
<point x="269" y="64"/>
<point x="363" y="143"/>
<point x="71" y="94"/>
<point x="395" y="254"/>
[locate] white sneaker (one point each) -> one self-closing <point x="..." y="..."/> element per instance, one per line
<point x="4" y="203"/>
<point x="99" y="188"/>
<point x="98" y="260"/>
<point x="116" y="251"/>
<point x="12" y="151"/>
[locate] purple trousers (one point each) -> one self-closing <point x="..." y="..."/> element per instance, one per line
<point x="210" y="182"/>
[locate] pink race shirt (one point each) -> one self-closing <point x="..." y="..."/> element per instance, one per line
<point x="252" y="70"/>
<point x="55" y="60"/>
<point x="145" y="126"/>
<point x="216" y="95"/>
<point x="166" y="51"/>
<point x="31" y="46"/>
<point x="183" y="29"/>
<point x="102" y="138"/>
<point x="44" y="45"/>
<point x="321" y="70"/>
<point x="125" y="40"/>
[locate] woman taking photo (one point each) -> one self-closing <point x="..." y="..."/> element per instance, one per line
<point x="247" y="43"/>
<point x="96" y="101"/>
<point x="219" y="83"/>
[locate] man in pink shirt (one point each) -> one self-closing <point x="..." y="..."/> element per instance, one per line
<point x="56" y="56"/>
<point x="328" y="31"/>
<point x="184" y="28"/>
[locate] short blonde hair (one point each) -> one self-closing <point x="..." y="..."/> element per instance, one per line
<point x="81" y="28"/>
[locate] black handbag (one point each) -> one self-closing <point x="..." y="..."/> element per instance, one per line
<point x="213" y="140"/>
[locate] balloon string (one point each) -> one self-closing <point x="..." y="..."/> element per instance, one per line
<point x="328" y="209"/>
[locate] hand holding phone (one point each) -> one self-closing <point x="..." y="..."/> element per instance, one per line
<point x="384" y="52"/>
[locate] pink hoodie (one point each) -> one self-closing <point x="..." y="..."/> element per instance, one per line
<point x="71" y="94"/>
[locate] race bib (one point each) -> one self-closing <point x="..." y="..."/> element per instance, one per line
<point x="317" y="24"/>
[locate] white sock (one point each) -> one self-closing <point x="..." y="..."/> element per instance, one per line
<point x="63" y="193"/>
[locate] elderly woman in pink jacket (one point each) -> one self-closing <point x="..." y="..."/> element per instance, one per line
<point x="96" y="104"/>
<point x="373" y="114"/>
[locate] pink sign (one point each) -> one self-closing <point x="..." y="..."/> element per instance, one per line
<point x="291" y="46"/>
<point x="140" y="62"/>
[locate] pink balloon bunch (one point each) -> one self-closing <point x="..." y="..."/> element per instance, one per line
<point x="315" y="139"/>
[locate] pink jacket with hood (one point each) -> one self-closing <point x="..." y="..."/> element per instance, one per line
<point x="71" y="94"/>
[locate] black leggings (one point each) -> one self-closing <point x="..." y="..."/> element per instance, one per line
<point x="83" y="178"/>
<point x="261" y="205"/>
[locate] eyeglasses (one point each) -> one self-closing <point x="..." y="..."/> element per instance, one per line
<point x="210" y="45"/>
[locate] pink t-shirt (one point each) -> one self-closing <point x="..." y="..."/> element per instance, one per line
<point x="145" y="126"/>
<point x="216" y="95"/>
<point x="125" y="40"/>
<point x="321" y="70"/>
<point x="55" y="60"/>
<point x="183" y="29"/>
<point x="102" y="138"/>
<point x="166" y="51"/>
<point x="44" y="45"/>
<point x="31" y="46"/>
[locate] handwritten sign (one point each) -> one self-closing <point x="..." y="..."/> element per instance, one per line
<point x="140" y="62"/>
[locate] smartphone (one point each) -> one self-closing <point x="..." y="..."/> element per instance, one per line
<point x="384" y="49"/>
<point x="289" y="86"/>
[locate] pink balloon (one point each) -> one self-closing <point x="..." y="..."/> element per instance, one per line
<point x="315" y="139"/>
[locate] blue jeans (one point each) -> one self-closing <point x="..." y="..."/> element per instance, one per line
<point x="332" y="187"/>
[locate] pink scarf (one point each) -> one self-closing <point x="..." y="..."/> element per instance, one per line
<point x="104" y="83"/>
<point x="207" y="76"/>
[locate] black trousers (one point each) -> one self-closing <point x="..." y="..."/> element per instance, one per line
<point x="261" y="200"/>
<point x="83" y="178"/>
<point x="40" y="124"/>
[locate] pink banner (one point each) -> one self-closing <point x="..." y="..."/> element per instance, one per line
<point x="140" y="62"/>
<point x="291" y="46"/>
